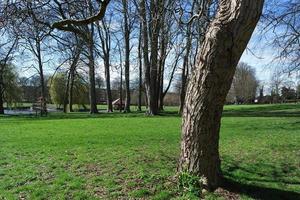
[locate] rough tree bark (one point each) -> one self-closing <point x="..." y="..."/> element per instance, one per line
<point x="154" y="25"/>
<point x="225" y="41"/>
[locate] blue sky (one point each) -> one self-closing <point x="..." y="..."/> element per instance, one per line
<point x="259" y="55"/>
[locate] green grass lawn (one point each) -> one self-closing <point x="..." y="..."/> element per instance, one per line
<point x="130" y="156"/>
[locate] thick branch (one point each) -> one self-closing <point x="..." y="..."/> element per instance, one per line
<point x="67" y="23"/>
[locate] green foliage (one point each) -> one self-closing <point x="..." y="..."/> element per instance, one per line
<point x="192" y="184"/>
<point x="57" y="86"/>
<point x="115" y="155"/>
<point x="80" y="91"/>
<point x="11" y="89"/>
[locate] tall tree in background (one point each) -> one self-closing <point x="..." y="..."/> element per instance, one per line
<point x="77" y="26"/>
<point x="224" y="43"/>
<point x="74" y="50"/>
<point x="140" y="63"/>
<point x="244" y="84"/>
<point x="126" y="31"/>
<point x="34" y="37"/>
<point x="150" y="19"/>
<point x="105" y="44"/>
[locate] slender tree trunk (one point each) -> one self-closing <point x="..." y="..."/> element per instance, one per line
<point x="92" y="86"/>
<point x="72" y="75"/>
<point x="66" y="99"/>
<point x="184" y="73"/>
<point x="1" y="93"/>
<point x="108" y="88"/>
<point x="222" y="48"/>
<point x="70" y="84"/>
<point x="121" y="89"/>
<point x="161" y="69"/>
<point x="146" y="54"/>
<point x="161" y="89"/>
<point x="93" y="102"/>
<point x="164" y="93"/>
<point x="42" y="79"/>
<point x="140" y="70"/>
<point x="127" y="55"/>
<point x="153" y="100"/>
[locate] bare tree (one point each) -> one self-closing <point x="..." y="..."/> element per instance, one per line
<point x="126" y="31"/>
<point x="74" y="57"/>
<point x="224" y="43"/>
<point x="277" y="81"/>
<point x="244" y="84"/>
<point x="281" y="25"/>
<point x="104" y="33"/>
<point x="151" y="27"/>
<point x="34" y="36"/>
<point x="81" y="27"/>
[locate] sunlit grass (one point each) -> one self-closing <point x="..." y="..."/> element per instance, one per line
<point x="113" y="156"/>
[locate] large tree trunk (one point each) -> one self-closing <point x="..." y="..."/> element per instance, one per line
<point x="154" y="30"/>
<point x="223" y="46"/>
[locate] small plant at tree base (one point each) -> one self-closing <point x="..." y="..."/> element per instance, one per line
<point x="189" y="183"/>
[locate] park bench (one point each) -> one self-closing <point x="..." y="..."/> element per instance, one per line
<point x="117" y="105"/>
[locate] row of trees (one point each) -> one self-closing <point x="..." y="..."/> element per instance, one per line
<point x="245" y="89"/>
<point x="134" y="35"/>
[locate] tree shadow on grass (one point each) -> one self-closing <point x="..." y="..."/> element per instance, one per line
<point x="251" y="178"/>
<point x="259" y="192"/>
<point x="248" y="113"/>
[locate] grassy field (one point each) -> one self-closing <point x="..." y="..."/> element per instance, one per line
<point x="130" y="156"/>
